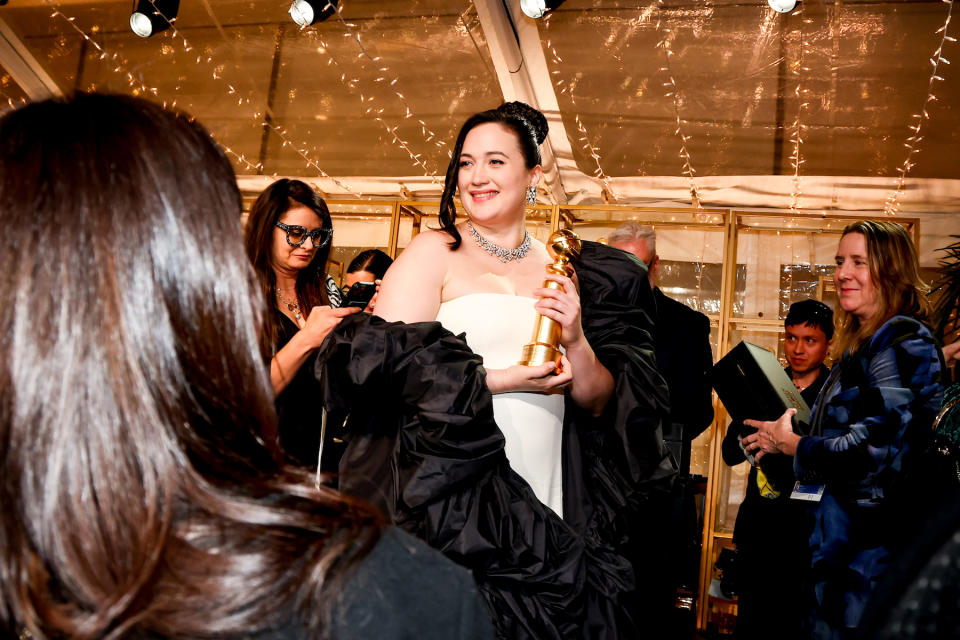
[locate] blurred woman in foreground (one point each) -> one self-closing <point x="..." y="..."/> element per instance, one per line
<point x="139" y="499"/>
<point x="871" y="421"/>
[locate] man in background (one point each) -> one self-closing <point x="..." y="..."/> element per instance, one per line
<point x="684" y="355"/>
<point x="684" y="358"/>
<point x="771" y="588"/>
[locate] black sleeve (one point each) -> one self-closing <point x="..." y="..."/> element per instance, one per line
<point x="701" y="392"/>
<point x="422" y="445"/>
<point x="730" y="448"/>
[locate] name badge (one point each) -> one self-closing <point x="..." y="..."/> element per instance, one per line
<point x="808" y="492"/>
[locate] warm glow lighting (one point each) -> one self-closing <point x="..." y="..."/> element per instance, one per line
<point x="782" y="6"/>
<point x="308" y="12"/>
<point x="538" y="8"/>
<point x="153" y="16"/>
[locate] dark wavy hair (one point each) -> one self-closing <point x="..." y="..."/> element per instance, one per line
<point x="812" y="313"/>
<point x="267" y="209"/>
<point x="139" y="495"/>
<point x="530" y="127"/>
<point x="895" y="272"/>
<point x="372" y="260"/>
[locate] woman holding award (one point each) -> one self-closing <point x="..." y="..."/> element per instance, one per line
<point x="485" y="279"/>
<point x="871" y="424"/>
<point x="533" y="476"/>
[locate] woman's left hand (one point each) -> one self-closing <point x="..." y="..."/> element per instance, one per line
<point x="772" y="437"/>
<point x="563" y="306"/>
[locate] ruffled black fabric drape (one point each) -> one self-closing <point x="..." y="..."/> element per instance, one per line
<point x="423" y="446"/>
<point x="627" y="472"/>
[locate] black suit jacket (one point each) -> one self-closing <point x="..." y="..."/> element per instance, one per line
<point x="684" y="357"/>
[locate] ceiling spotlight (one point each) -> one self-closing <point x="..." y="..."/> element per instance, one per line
<point x="538" y="8"/>
<point x="153" y="16"/>
<point x="782" y="6"/>
<point x="308" y="12"/>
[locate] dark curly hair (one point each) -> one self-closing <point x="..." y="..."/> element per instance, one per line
<point x="530" y="127"/>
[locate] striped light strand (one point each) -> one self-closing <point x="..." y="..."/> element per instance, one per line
<point x="798" y="128"/>
<point x="892" y="204"/>
<point x="352" y="84"/>
<point x="663" y="37"/>
<point x="257" y="116"/>
<point x="11" y="104"/>
<point x="138" y="86"/>
<point x="386" y="77"/>
<point x="584" y="137"/>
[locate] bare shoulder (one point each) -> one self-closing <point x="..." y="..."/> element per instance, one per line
<point x="429" y="242"/>
<point x="413" y="285"/>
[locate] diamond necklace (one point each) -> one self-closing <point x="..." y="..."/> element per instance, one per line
<point x="292" y="307"/>
<point x="505" y="255"/>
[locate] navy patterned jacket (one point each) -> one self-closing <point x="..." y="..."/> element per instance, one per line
<point x="872" y="419"/>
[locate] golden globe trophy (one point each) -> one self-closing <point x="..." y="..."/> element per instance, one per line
<point x="563" y="246"/>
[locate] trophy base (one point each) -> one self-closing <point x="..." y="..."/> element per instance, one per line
<point x="537" y="353"/>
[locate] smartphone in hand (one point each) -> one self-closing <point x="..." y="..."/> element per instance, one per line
<point x="360" y="294"/>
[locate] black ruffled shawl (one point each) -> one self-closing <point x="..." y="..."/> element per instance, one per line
<point x="423" y="446"/>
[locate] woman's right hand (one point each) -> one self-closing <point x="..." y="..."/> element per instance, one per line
<point x="538" y="379"/>
<point x="321" y="321"/>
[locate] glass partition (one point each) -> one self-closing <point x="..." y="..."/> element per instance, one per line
<point x="358" y="226"/>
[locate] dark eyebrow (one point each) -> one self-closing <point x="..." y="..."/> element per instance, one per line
<point x="486" y="153"/>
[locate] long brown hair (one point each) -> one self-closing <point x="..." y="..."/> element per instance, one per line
<point x="895" y="273"/>
<point x="138" y="494"/>
<point x="269" y="207"/>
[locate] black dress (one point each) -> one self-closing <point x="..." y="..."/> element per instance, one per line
<point x="423" y="447"/>
<point x="299" y="405"/>
<point x="772" y="590"/>
<point x="299" y="410"/>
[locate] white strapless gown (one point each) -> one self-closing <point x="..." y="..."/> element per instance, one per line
<point x="497" y="326"/>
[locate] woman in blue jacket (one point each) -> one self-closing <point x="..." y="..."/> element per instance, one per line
<point x="871" y="421"/>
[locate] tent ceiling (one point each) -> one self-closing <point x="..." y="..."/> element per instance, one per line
<point x="599" y="68"/>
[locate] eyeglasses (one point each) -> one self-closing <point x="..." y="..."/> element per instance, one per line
<point x="297" y="235"/>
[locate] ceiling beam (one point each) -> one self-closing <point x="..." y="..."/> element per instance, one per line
<point x="521" y="67"/>
<point x="23" y="67"/>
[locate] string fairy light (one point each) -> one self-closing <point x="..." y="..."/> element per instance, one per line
<point x="392" y="81"/>
<point x="798" y="128"/>
<point x="119" y="66"/>
<point x="673" y="91"/>
<point x="257" y="116"/>
<point x="567" y="89"/>
<point x="352" y="84"/>
<point x="11" y="104"/>
<point x="892" y="204"/>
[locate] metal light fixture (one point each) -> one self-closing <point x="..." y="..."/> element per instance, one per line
<point x="154" y="16"/>
<point x="308" y="12"/>
<point x="538" y="8"/>
<point x="782" y="6"/>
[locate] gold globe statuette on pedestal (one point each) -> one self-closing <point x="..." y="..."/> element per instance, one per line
<point x="563" y="246"/>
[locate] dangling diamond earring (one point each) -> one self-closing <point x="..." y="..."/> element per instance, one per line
<point x="531" y="195"/>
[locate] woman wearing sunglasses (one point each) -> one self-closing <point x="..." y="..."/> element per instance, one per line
<point x="288" y="241"/>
